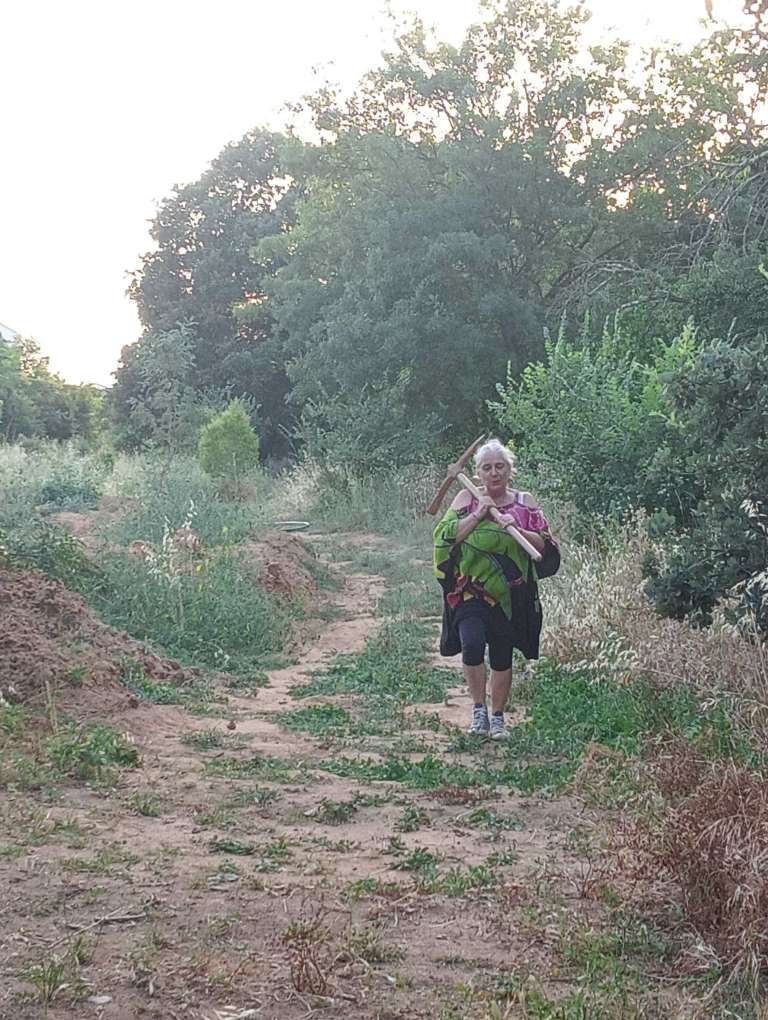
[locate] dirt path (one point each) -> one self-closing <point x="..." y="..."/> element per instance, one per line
<point x="232" y="877"/>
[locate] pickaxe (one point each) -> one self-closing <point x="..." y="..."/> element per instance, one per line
<point x="456" y="474"/>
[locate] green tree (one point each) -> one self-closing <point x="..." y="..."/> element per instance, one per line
<point x="228" y="444"/>
<point x="200" y="270"/>
<point x="158" y="404"/>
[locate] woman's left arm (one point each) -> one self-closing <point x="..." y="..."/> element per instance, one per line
<point x="537" y="538"/>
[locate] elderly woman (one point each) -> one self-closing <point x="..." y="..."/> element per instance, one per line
<point x="489" y="582"/>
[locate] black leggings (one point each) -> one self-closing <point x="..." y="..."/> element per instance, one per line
<point x="478" y="629"/>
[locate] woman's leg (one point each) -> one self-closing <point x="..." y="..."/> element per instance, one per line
<point x="501" y="684"/>
<point x="475" y="677"/>
<point x="472" y="635"/>
<point x="500" y="655"/>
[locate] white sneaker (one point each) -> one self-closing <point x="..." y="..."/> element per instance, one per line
<point x="480" y="724"/>
<point x="498" y="730"/>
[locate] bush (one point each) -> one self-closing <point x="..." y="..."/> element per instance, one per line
<point x="594" y="416"/>
<point x="228" y="445"/>
<point x="38" y="545"/>
<point x="712" y="839"/>
<point x="720" y="406"/>
<point x="374" y="429"/>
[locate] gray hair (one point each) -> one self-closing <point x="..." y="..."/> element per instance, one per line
<point x="496" y="447"/>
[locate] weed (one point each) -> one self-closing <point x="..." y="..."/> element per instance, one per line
<point x="276" y="770"/>
<point x="391" y="672"/>
<point x="363" y="887"/>
<point x="419" y="859"/>
<point x="87" y="753"/>
<point x="215" y="618"/>
<point x="322" y="721"/>
<point x="501" y="857"/>
<point x="103" y="862"/>
<point x="213" y="817"/>
<point x="486" y="819"/>
<point x="75" y="675"/>
<point x="232" y="846"/>
<point x="258" y="795"/>
<point x="12" y="719"/>
<point x="366" y="943"/>
<point x="335" y="812"/>
<point x="306" y="939"/>
<point x="164" y="692"/>
<point x="273" y="855"/>
<point x="457" y="881"/>
<point x="147" y="804"/>
<point x="412" y="819"/>
<point x="227" y="871"/>
<point x="48" y="978"/>
<point x="204" y="740"/>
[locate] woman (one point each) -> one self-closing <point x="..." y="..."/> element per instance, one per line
<point x="489" y="582"/>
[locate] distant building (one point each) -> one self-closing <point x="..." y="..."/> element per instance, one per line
<point x="7" y="334"/>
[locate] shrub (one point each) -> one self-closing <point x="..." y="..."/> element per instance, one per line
<point x="720" y="405"/>
<point x="228" y="445"/>
<point x="37" y="545"/>
<point x="374" y="429"/>
<point x="712" y="839"/>
<point x="595" y="416"/>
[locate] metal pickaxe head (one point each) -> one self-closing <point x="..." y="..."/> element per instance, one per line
<point x="453" y="470"/>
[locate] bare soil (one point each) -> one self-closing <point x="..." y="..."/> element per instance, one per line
<point x="167" y="926"/>
<point x="50" y="640"/>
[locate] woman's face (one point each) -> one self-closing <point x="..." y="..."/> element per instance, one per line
<point x="494" y="472"/>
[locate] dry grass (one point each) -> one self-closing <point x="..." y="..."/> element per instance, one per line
<point x="711" y="838"/>
<point x="597" y="615"/>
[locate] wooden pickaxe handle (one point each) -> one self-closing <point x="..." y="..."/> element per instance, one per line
<point x="453" y="471"/>
<point x="521" y="540"/>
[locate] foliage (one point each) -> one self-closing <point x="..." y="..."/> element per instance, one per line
<point x="87" y="753"/>
<point x="38" y="545"/>
<point x="36" y="402"/>
<point x="365" y="430"/>
<point x="459" y="200"/>
<point x="720" y="407"/>
<point x="198" y="271"/>
<point x="215" y="617"/>
<point x="595" y="417"/>
<point x="228" y="445"/>
<point x="155" y="403"/>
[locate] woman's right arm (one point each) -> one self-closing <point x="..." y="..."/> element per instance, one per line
<point x="468" y="524"/>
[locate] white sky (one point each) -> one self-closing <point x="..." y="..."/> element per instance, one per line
<point x="106" y="104"/>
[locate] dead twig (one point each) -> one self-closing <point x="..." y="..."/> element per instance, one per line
<point x="114" y="918"/>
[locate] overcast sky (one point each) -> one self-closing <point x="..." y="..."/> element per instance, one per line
<point x="106" y="104"/>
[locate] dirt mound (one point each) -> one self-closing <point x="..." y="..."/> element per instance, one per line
<point x="85" y="526"/>
<point x="49" y="636"/>
<point x="282" y="563"/>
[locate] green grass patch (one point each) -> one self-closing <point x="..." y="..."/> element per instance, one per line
<point x="253" y="796"/>
<point x="216" y="617"/>
<point x="207" y="740"/>
<point x="569" y="710"/>
<point x="322" y="721"/>
<point x="389" y="674"/>
<point x="89" y="753"/>
<point x="264" y="767"/>
<point x="391" y="667"/>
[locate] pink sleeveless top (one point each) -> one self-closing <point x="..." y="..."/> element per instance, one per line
<point x="529" y="518"/>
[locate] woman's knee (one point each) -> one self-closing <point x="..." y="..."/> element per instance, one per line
<point x="500" y="658"/>
<point x="472" y="639"/>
